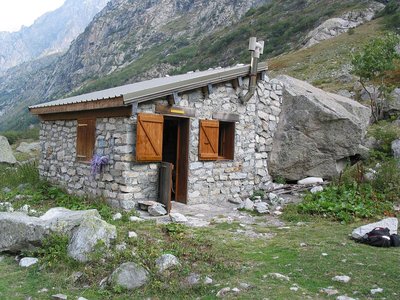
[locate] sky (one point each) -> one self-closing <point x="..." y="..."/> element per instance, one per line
<point x="15" y="13"/>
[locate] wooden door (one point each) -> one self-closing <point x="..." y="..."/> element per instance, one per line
<point x="182" y="161"/>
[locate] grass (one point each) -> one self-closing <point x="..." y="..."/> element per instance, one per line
<point x="230" y="259"/>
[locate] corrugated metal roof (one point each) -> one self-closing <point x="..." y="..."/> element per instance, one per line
<point x="158" y="87"/>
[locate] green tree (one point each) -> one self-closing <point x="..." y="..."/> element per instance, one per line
<point x="371" y="65"/>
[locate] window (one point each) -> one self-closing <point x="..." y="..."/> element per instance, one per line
<point x="85" y="139"/>
<point x="216" y="140"/>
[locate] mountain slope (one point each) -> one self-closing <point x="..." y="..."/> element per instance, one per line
<point x="51" y="33"/>
<point x="135" y="40"/>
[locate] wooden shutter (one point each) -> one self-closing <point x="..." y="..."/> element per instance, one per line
<point x="85" y="139"/>
<point x="208" y="140"/>
<point x="149" y="138"/>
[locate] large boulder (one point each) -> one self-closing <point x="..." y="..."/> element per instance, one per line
<point x="63" y="220"/>
<point x="90" y="232"/>
<point x="19" y="232"/>
<point x="6" y="154"/>
<point x="318" y="132"/>
<point x="129" y="276"/>
<point x="396" y="148"/>
<point x="391" y="223"/>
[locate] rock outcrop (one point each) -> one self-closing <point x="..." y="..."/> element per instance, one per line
<point x="6" y="154"/>
<point x="336" y="26"/>
<point x="19" y="232"/>
<point x="318" y="132"/>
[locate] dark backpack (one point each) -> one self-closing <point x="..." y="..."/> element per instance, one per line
<point x="394" y="240"/>
<point x="378" y="237"/>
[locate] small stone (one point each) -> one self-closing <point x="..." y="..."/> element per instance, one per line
<point x="76" y="276"/>
<point x="248" y="204"/>
<point x="316" y="189"/>
<point x="294" y="288"/>
<point x="82" y="298"/>
<point x="342" y="278"/>
<point x="129" y="275"/>
<point x="261" y="207"/>
<point x="6" y="190"/>
<point x="59" y="297"/>
<point x="244" y="285"/>
<point x="135" y="219"/>
<point x="208" y="280"/>
<point x="279" y="276"/>
<point x="28" y="261"/>
<point x="273" y="197"/>
<point x="235" y="290"/>
<point x="223" y="292"/>
<point x="43" y="290"/>
<point x="303" y="245"/>
<point x="377" y="290"/>
<point x="193" y="279"/>
<point x="178" y="218"/>
<point x="117" y="216"/>
<point x="235" y="201"/>
<point x="157" y="210"/>
<point x="166" y="261"/>
<point x="132" y="234"/>
<point x="344" y="297"/>
<point x="329" y="291"/>
<point x="278" y="213"/>
<point x="324" y="254"/>
<point x="120" y="247"/>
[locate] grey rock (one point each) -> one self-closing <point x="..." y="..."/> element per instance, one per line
<point x="129" y="275"/>
<point x="178" y="218"/>
<point x="317" y="132"/>
<point x="19" y="232"/>
<point x="157" y="210"/>
<point x="248" y="204"/>
<point x="6" y="207"/>
<point x="396" y="148"/>
<point x="28" y="147"/>
<point x="223" y="292"/>
<point x="166" y="261"/>
<point x="316" y="189"/>
<point x="117" y="216"/>
<point x="261" y="207"/>
<point x="6" y="190"/>
<point x="63" y="220"/>
<point x="120" y="247"/>
<point x="341" y="278"/>
<point x="237" y="201"/>
<point x="84" y="238"/>
<point x="279" y="276"/>
<point x="59" y="297"/>
<point x="330" y="291"/>
<point x="208" y="280"/>
<point x="28" y="261"/>
<point x="193" y="279"/>
<point x="391" y="223"/>
<point x="6" y="154"/>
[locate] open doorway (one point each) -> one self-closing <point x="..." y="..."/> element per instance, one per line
<point x="176" y="151"/>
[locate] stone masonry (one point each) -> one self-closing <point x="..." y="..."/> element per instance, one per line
<point x="123" y="182"/>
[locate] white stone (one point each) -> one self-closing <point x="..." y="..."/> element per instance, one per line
<point x="135" y="219"/>
<point x="157" y="210"/>
<point x="341" y="278"/>
<point x="310" y="180"/>
<point x="222" y="292"/>
<point x="377" y="290"/>
<point x="28" y="261"/>
<point x="248" y="204"/>
<point x="59" y="297"/>
<point x="279" y="276"/>
<point x="261" y="207"/>
<point x="117" y="216"/>
<point x="178" y="218"/>
<point x="132" y="234"/>
<point x="344" y="297"/>
<point x="391" y="223"/>
<point x="316" y="189"/>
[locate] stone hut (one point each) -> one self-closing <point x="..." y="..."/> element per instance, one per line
<point x="185" y="138"/>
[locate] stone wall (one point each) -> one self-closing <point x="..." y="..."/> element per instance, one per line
<point x="124" y="182"/>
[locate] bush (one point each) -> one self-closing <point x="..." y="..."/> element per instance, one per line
<point x="25" y="174"/>
<point x="385" y="132"/>
<point x="14" y="136"/>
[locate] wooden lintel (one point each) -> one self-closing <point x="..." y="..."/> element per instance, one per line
<point x="82" y="106"/>
<point x="175" y="111"/>
<point x="228" y="117"/>
<point x="125" y="111"/>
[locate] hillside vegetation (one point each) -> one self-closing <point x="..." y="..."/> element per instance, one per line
<point x="113" y="52"/>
